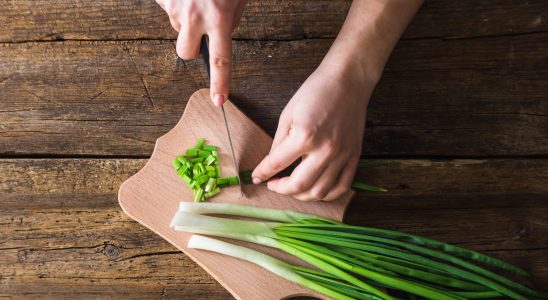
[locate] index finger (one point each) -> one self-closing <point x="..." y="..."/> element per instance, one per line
<point x="220" y="58"/>
<point x="280" y="158"/>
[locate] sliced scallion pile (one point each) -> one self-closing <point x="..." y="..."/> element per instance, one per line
<point x="351" y="262"/>
<point x="200" y="169"/>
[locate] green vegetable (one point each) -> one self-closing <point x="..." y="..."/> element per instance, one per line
<point x="352" y="262"/>
<point x="200" y="170"/>
<point x="211" y="184"/>
<point x="200" y="143"/>
<point x="213" y="192"/>
<point x="210" y="148"/>
<point x="191" y="152"/>
<point x="210" y="160"/>
<point x="177" y="164"/>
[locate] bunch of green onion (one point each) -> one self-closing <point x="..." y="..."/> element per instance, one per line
<point x="200" y="169"/>
<point x="351" y="262"/>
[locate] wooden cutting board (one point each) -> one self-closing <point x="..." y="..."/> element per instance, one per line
<point x="152" y="196"/>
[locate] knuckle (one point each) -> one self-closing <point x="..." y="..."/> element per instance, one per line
<point x="298" y="186"/>
<point x="193" y="16"/>
<point x="217" y="18"/>
<point x="342" y="188"/>
<point x="220" y="61"/>
<point x="307" y="134"/>
<point x="274" y="165"/>
<point x="303" y="198"/>
<point x="318" y="193"/>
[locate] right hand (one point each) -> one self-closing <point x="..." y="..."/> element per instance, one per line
<point x="216" y="18"/>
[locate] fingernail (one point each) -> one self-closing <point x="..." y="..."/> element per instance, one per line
<point x="270" y="185"/>
<point x="256" y="180"/>
<point x="219" y="99"/>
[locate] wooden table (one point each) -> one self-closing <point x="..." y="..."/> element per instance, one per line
<point x="86" y="88"/>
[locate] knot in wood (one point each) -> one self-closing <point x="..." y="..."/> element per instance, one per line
<point x="111" y="251"/>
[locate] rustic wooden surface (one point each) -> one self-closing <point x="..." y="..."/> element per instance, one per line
<point x="86" y="88"/>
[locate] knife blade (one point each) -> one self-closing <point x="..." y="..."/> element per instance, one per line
<point x="204" y="50"/>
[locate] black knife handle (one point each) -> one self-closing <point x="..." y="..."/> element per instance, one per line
<point x="204" y="50"/>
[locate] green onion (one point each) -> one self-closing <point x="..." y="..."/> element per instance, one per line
<point x="191" y="152"/>
<point x="197" y="160"/>
<point x="367" y="187"/>
<point x="233" y="180"/>
<point x="203" y="153"/>
<point x="199" y="144"/>
<point x="200" y="170"/>
<point x="210" y="148"/>
<point x="354" y="262"/>
<point x="210" y="160"/>
<point x="270" y="263"/>
<point x="198" y="194"/>
<point x="211" y="184"/>
<point x="177" y="164"/>
<point x="213" y="192"/>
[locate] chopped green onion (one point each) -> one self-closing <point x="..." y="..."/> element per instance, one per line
<point x="191" y="152"/>
<point x="197" y="160"/>
<point x="202" y="179"/>
<point x="186" y="178"/>
<point x="210" y="160"/>
<point x="213" y="192"/>
<point x="210" y="148"/>
<point x="203" y="153"/>
<point x="222" y="180"/>
<point x="218" y="170"/>
<point x="182" y="159"/>
<point x="198" y="194"/>
<point x="211" y="184"/>
<point x="182" y="171"/>
<point x="200" y="169"/>
<point x="233" y="180"/>
<point x="177" y="164"/>
<point x="200" y="143"/>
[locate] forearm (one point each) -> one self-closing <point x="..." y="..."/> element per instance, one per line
<point x="368" y="36"/>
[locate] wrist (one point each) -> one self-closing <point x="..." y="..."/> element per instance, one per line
<point x="346" y="69"/>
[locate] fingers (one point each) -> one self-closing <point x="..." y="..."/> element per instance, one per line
<point x="302" y="178"/>
<point x="280" y="158"/>
<point x="324" y="184"/>
<point x="220" y="59"/>
<point x="345" y="179"/>
<point x="175" y="24"/>
<point x="188" y="44"/>
<point x="284" y="125"/>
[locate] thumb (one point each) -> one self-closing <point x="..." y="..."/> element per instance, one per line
<point x="220" y="58"/>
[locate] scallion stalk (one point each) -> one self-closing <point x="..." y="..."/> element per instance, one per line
<point x="358" y="261"/>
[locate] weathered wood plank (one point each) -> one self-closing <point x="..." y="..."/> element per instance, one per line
<point x="65" y="235"/>
<point x="474" y="97"/>
<point x="273" y="20"/>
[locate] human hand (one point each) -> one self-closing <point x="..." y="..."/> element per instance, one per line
<point x="323" y="124"/>
<point x="216" y="18"/>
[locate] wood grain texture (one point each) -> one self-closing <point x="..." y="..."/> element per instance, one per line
<point x="468" y="80"/>
<point x="152" y="196"/>
<point x="475" y="97"/>
<point x="30" y="20"/>
<point x="66" y="236"/>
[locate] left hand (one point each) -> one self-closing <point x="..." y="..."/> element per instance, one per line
<point x="323" y="124"/>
